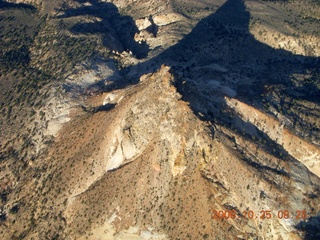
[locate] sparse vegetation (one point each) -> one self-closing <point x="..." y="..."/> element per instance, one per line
<point x="174" y="144"/>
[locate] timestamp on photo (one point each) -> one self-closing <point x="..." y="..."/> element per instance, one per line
<point x="262" y="214"/>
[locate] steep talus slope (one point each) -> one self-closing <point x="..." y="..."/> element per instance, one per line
<point x="300" y="149"/>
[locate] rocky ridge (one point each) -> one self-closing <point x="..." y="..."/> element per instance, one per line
<point x="121" y="154"/>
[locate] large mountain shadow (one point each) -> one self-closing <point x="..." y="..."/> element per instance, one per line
<point x="220" y="57"/>
<point x="118" y="31"/>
